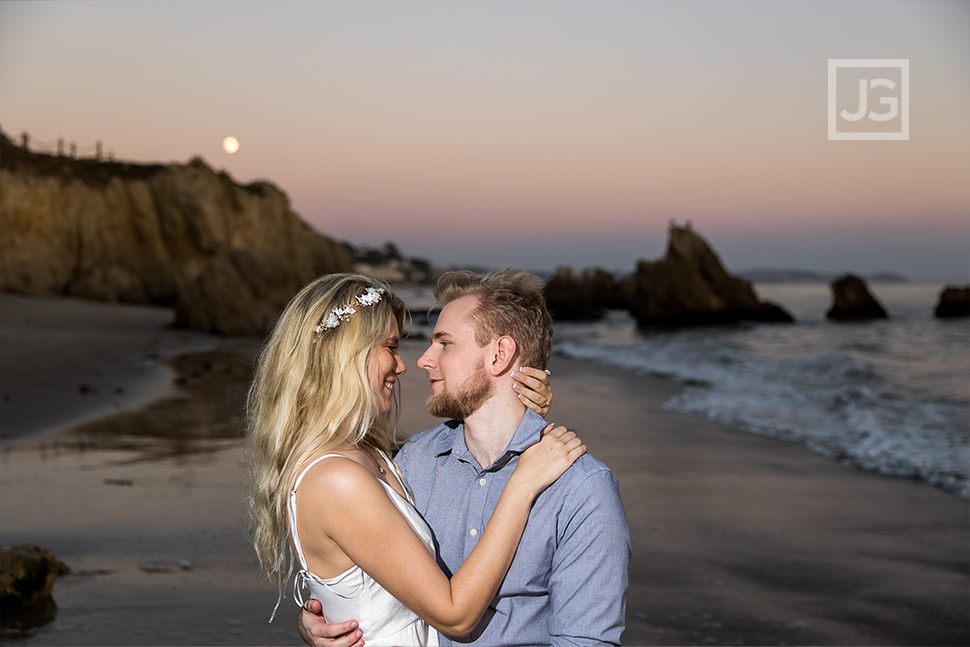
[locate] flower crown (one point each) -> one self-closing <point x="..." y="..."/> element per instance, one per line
<point x="340" y="313"/>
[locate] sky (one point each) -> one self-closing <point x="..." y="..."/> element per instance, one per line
<point x="533" y="134"/>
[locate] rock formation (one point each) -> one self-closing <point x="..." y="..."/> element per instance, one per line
<point x="574" y="296"/>
<point x="227" y="256"/>
<point x="26" y="573"/>
<point x="689" y="286"/>
<point x="954" y="301"/>
<point x="388" y="264"/>
<point x="852" y="301"/>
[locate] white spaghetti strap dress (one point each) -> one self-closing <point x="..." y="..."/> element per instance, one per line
<point x="354" y="595"/>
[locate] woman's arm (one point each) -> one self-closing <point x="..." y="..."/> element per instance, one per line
<point x="366" y="526"/>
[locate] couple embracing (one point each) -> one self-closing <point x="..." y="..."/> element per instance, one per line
<point x="490" y="529"/>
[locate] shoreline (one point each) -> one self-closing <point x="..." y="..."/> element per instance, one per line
<point x="738" y="539"/>
<point x="66" y="361"/>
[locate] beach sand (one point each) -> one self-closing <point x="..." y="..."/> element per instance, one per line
<point x="737" y="539"/>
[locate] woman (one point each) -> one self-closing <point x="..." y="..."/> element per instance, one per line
<point x="320" y="433"/>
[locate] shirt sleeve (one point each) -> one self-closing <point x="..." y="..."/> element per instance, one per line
<point x="590" y="570"/>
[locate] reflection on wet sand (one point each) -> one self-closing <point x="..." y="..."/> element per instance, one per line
<point x="206" y="414"/>
<point x="24" y="622"/>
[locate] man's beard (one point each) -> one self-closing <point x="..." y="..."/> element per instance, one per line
<point x="462" y="404"/>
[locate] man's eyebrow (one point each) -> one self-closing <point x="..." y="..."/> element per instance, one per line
<point x="441" y="333"/>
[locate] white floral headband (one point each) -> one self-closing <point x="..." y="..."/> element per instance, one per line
<point x="340" y="313"/>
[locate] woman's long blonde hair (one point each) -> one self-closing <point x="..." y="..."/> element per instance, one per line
<point x="311" y="394"/>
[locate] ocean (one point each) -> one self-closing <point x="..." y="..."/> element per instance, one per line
<point x="891" y="396"/>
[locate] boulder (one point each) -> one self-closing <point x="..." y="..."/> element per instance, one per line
<point x="567" y="299"/>
<point x="27" y="574"/>
<point x="182" y="235"/>
<point x="954" y="301"/>
<point x="852" y="301"/>
<point x="604" y="290"/>
<point x="689" y="286"/>
<point x="571" y="296"/>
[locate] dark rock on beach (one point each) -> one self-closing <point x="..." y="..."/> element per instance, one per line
<point x="954" y="302"/>
<point x="852" y="301"/>
<point x="227" y="256"/>
<point x="571" y="295"/>
<point x="689" y="286"/>
<point x="27" y="573"/>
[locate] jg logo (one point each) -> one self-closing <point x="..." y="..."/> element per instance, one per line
<point x="868" y="98"/>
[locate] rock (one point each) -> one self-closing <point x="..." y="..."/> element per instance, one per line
<point x="770" y="312"/>
<point x="571" y="296"/>
<point x="27" y="573"/>
<point x="954" y="301"/>
<point x="851" y="301"/>
<point x="227" y="256"/>
<point x="388" y="264"/>
<point x="566" y="299"/>
<point x="689" y="286"/>
<point x="603" y="289"/>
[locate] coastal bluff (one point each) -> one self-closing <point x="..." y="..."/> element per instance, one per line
<point x="227" y="256"/>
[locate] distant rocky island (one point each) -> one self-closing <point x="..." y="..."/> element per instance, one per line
<point x="770" y="275"/>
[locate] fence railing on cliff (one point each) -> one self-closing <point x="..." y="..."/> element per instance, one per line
<point x="56" y="147"/>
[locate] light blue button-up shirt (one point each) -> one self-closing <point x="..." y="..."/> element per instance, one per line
<point x="568" y="582"/>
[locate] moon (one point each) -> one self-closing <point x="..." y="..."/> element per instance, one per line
<point x="230" y="145"/>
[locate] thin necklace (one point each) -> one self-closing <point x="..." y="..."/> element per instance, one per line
<point x="376" y="464"/>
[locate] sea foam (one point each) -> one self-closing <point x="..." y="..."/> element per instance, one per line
<point x="888" y="396"/>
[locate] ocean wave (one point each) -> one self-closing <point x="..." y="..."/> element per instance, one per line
<point x="837" y="403"/>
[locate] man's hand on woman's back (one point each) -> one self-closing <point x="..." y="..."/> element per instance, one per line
<point x="315" y="631"/>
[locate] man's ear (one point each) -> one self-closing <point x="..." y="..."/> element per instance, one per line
<point x="505" y="350"/>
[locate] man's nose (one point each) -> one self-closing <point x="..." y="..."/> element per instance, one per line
<point x="425" y="360"/>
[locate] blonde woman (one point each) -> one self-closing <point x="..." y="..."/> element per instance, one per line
<point x="320" y="433"/>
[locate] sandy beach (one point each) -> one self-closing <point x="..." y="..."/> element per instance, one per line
<point x="737" y="539"/>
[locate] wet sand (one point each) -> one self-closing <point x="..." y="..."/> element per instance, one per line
<point x="737" y="539"/>
<point x="63" y="361"/>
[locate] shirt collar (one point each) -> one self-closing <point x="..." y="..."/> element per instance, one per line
<point x="526" y="434"/>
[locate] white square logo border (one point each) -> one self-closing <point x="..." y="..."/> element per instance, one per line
<point x="902" y="64"/>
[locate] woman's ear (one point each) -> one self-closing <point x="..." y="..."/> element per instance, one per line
<point x="503" y="357"/>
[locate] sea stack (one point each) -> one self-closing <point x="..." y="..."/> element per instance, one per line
<point x="689" y="287"/>
<point x="954" y="302"/>
<point x="852" y="301"/>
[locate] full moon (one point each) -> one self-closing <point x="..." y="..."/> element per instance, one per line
<point x="230" y="145"/>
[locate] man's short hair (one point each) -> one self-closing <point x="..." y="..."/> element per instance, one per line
<point x="511" y="302"/>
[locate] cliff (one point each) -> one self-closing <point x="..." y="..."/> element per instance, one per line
<point x="227" y="256"/>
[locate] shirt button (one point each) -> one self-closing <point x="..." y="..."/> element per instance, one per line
<point x="472" y="532"/>
<point x="482" y="481"/>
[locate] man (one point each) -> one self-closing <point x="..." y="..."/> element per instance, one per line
<point x="568" y="582"/>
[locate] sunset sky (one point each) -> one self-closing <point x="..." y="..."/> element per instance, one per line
<point x="528" y="134"/>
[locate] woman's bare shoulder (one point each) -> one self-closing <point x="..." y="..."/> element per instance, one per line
<point x="336" y="475"/>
